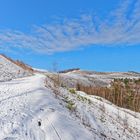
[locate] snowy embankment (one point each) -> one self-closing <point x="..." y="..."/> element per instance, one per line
<point x="9" y="70"/>
<point x="102" y="118"/>
<point x="29" y="111"/>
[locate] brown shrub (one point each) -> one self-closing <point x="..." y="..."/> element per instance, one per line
<point x="122" y="92"/>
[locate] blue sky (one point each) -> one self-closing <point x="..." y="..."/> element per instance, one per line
<point x="100" y="35"/>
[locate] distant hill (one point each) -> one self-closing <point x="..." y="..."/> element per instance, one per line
<point x="71" y="77"/>
<point x="69" y="70"/>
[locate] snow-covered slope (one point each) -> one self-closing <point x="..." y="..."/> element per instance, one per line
<point x="87" y="78"/>
<point x="103" y="119"/>
<point x="9" y="70"/>
<point x="30" y="110"/>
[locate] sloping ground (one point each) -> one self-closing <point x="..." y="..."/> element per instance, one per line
<point x="102" y="118"/>
<point x="29" y="111"/>
<point x="11" y="70"/>
<point x="103" y="79"/>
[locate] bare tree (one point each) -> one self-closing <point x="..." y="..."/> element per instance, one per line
<point x="56" y="78"/>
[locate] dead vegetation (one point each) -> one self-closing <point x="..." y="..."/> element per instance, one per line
<point x="122" y="92"/>
<point x="24" y="66"/>
<point x="19" y="63"/>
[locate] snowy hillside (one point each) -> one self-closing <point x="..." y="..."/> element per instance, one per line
<point x="86" y="78"/>
<point x="9" y="70"/>
<point x="36" y="107"/>
<point x="104" y="120"/>
<point x="24" y="104"/>
<point x="31" y="108"/>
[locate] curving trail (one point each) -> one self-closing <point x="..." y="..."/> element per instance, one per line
<point x="29" y="111"/>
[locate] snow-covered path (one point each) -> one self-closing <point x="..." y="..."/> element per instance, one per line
<point x="29" y="111"/>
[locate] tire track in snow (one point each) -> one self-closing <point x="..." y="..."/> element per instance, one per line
<point x="55" y="129"/>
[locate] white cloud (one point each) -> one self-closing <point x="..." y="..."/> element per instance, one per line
<point x="121" y="27"/>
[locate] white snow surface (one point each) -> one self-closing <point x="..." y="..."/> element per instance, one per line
<point x="31" y="111"/>
<point x="9" y="70"/>
<point x="25" y="102"/>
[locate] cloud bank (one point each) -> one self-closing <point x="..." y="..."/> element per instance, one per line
<point x="122" y="27"/>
